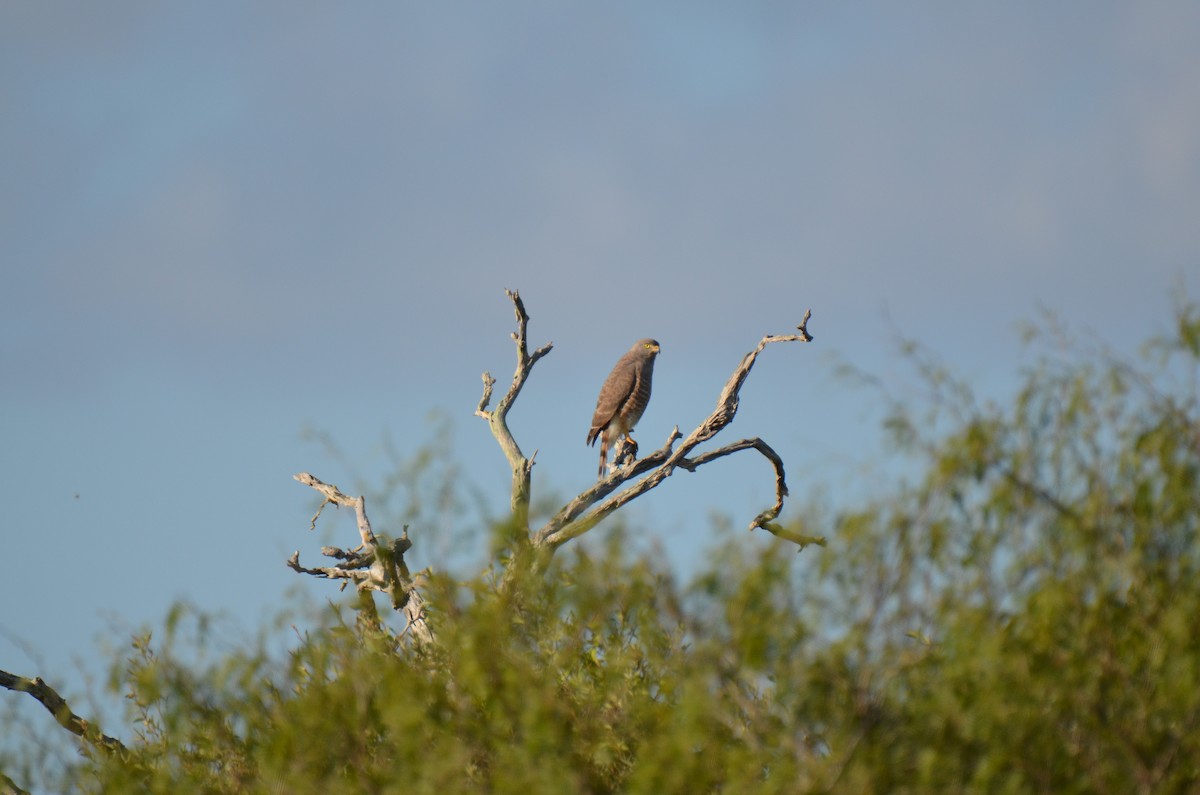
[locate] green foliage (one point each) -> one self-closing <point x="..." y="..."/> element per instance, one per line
<point x="1050" y="553"/>
<point x="1021" y="616"/>
<point x="589" y="680"/>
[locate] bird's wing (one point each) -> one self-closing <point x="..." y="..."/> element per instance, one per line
<point x="616" y="390"/>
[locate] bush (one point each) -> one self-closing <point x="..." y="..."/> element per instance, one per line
<point x="1021" y="617"/>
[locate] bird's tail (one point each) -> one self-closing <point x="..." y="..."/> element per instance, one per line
<point x="603" y="458"/>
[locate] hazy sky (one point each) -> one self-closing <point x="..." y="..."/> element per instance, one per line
<point x="222" y="224"/>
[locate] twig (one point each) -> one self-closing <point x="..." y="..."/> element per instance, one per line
<point x="332" y="494"/>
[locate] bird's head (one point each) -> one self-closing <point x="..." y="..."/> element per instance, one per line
<point x="647" y="346"/>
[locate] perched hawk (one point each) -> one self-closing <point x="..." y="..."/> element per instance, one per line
<point x="623" y="398"/>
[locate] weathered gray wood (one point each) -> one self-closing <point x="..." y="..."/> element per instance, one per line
<point x="575" y="519"/>
<point x="522" y="467"/>
<point x="372" y="566"/>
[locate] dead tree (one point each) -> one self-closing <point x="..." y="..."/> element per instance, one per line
<point x="377" y="565"/>
<point x="603" y="498"/>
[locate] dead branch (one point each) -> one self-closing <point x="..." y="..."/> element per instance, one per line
<point x="574" y="519"/>
<point x="497" y="419"/>
<point x="373" y="565"/>
<point x="57" y="706"/>
<point x="781" y="490"/>
<point x="381" y="567"/>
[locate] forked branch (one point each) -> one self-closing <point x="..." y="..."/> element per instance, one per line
<point x="373" y="565"/>
<point x="379" y="566"/>
<point x="522" y="467"/>
<point x="575" y="518"/>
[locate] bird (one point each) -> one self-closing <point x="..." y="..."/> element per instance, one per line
<point x="623" y="398"/>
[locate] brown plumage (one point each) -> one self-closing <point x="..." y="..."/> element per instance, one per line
<point x="623" y="398"/>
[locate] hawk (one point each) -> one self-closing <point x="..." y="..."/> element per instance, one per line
<point x="623" y="398"/>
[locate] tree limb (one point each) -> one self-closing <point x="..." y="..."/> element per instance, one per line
<point x="373" y="565"/>
<point x="49" y="698"/>
<point x="381" y="567"/>
<point x="573" y="520"/>
<point x="521" y="466"/>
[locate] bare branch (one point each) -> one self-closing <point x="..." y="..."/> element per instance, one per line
<point x="329" y="572"/>
<point x="573" y="520"/>
<point x="372" y="566"/>
<point x="380" y="566"/>
<point x="57" y="706"/>
<point x="567" y="524"/>
<point x="333" y="495"/>
<point x="803" y="327"/>
<point x="781" y="489"/>
<point x="521" y="466"/>
<point x="488" y="383"/>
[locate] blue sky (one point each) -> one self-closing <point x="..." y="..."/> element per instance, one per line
<point x="223" y="226"/>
